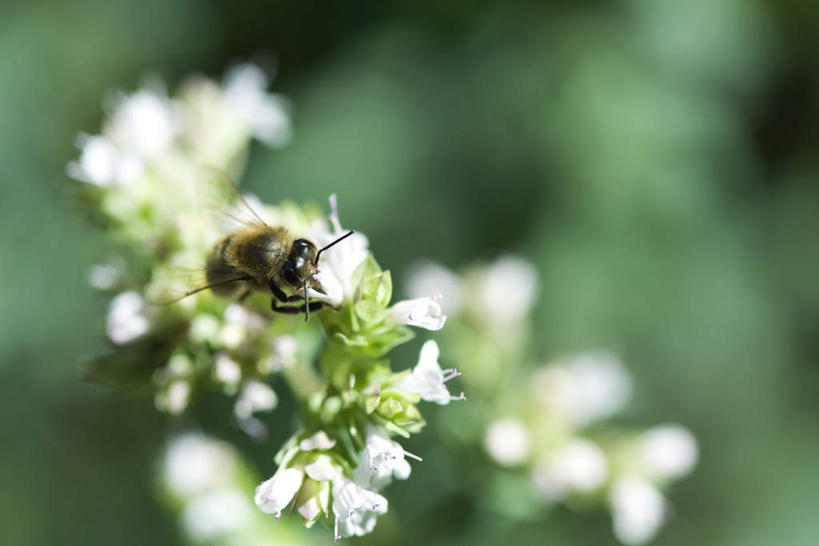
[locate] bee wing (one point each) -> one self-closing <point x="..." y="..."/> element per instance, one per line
<point x="217" y="194"/>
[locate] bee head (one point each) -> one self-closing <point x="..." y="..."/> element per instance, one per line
<point x="300" y="264"/>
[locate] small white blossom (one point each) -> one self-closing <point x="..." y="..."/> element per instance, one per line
<point x="127" y="317"/>
<point x="143" y="124"/>
<point x="428" y="379"/>
<point x="227" y="371"/>
<point x="102" y="164"/>
<point x="382" y="459"/>
<point x="275" y="494"/>
<point x="638" y="510"/>
<point x="356" y="509"/>
<point x="507" y="441"/>
<point x="194" y="463"/>
<point x="584" y="388"/>
<point x="579" y="466"/>
<point x="505" y="291"/>
<point x="255" y="396"/>
<point x="174" y="398"/>
<point x="421" y="312"/>
<point x="319" y="440"/>
<point x="215" y="514"/>
<point x="264" y="114"/>
<point x="323" y="469"/>
<point x="337" y="265"/>
<point x="668" y="451"/>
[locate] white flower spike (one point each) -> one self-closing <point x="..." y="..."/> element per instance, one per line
<point x="428" y="379"/>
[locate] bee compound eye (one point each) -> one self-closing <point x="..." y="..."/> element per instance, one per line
<point x="289" y="275"/>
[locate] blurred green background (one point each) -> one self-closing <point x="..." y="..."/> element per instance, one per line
<point x="657" y="161"/>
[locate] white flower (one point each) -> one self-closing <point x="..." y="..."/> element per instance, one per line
<point x="143" y="124"/>
<point x="194" y="463"/>
<point x="382" y="459"/>
<point x="507" y="441"/>
<point x="337" y="264"/>
<point x="227" y="371"/>
<point x="579" y="466"/>
<point x="428" y="277"/>
<point x="356" y="509"/>
<point x="668" y="451"/>
<point x="215" y="514"/>
<point x="174" y="398"/>
<point x="428" y="379"/>
<point x="638" y="510"/>
<point x="505" y="291"/>
<point x="127" y="317"/>
<point x="421" y="312"/>
<point x="101" y="164"/>
<point x="265" y="115"/>
<point x="275" y="494"/>
<point x="583" y="388"/>
<point x="319" y="440"/>
<point x="323" y="469"/>
<point x="255" y="396"/>
<point x="103" y="276"/>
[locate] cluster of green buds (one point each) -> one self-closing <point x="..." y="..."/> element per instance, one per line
<point x="144" y="176"/>
<point x="546" y="426"/>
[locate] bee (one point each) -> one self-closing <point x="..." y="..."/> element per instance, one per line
<point x="260" y="257"/>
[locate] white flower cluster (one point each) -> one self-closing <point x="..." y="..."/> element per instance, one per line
<point x="309" y="474"/>
<point x="151" y="171"/>
<point x="564" y="461"/>
<point x="556" y="431"/>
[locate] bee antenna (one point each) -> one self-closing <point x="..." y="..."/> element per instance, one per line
<point x="306" y="303"/>
<point x="315" y="262"/>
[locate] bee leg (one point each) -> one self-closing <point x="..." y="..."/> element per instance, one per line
<point x="281" y="296"/>
<point x="284" y="308"/>
<point x="244" y="296"/>
<point x="313" y="306"/>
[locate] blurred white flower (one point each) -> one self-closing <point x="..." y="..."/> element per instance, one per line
<point x="265" y="115"/>
<point x="319" y="440"/>
<point x="356" y="509"/>
<point x="668" y="451"/>
<point x="421" y="312"/>
<point x="577" y="467"/>
<point x="255" y="396"/>
<point x="428" y="277"/>
<point x="273" y="495"/>
<point x="505" y="291"/>
<point x="142" y="124"/>
<point x="282" y="355"/>
<point x="583" y="388"/>
<point x="638" y="510"/>
<point x="127" y="317"/>
<point x="227" y="371"/>
<point x="174" y="397"/>
<point x="101" y="164"/>
<point x="216" y="513"/>
<point x="428" y="379"/>
<point x="204" y="328"/>
<point x="507" y="441"/>
<point x="382" y="459"/>
<point x="103" y="276"/>
<point x="194" y="463"/>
